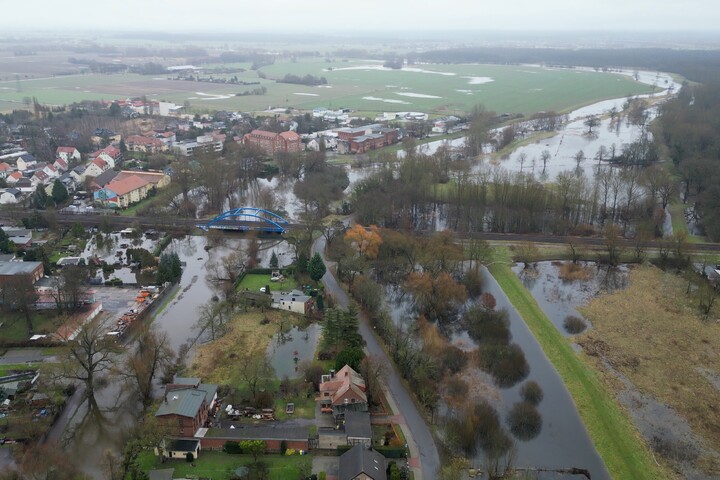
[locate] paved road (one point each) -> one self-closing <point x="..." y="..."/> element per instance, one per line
<point x="420" y="440"/>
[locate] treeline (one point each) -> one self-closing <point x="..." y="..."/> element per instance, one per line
<point x="423" y="192"/>
<point x="99" y="67"/>
<point x="690" y="128"/>
<point x="309" y="80"/>
<point x="696" y="65"/>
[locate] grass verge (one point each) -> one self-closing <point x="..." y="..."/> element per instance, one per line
<point x="625" y="453"/>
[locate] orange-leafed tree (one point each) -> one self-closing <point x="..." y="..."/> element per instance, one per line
<point x="366" y="240"/>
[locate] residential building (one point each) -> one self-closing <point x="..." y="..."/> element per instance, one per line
<point x="103" y="136"/>
<point x="26" y="162"/>
<point x="103" y="179"/>
<point x="204" y="143"/>
<point x="95" y="168"/>
<point x="294" y="301"/>
<point x="110" y="154"/>
<point x="10" y="195"/>
<point x="5" y="169"/>
<point x="24" y="185"/>
<point x="271" y="142"/>
<point x="186" y="406"/>
<point x="9" y="270"/>
<point x="61" y="165"/>
<point x="13" y="177"/>
<point x="122" y="193"/>
<point x="140" y="143"/>
<point x="365" y="138"/>
<point x="68" y="154"/>
<point x="362" y="463"/>
<point x="40" y="178"/>
<point x="343" y="391"/>
<point x="154" y="178"/>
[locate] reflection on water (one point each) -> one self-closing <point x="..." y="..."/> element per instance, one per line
<point x="288" y="350"/>
<point x="559" y="298"/>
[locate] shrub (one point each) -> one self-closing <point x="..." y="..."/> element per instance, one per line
<point x="232" y="448"/>
<point x="473" y="282"/>
<point x="488" y="326"/>
<point x="574" y="325"/>
<point x="322" y="475"/>
<point x="570" y="272"/>
<point x="531" y="392"/>
<point x="283" y="447"/>
<point x="189" y="457"/>
<point x="453" y="359"/>
<point x="506" y="363"/>
<point x="525" y="421"/>
<point x="457" y="387"/>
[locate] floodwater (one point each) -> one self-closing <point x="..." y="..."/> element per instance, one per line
<point x="107" y="427"/>
<point x="288" y="350"/>
<point x="573" y="138"/>
<point x="559" y="298"/>
<point x="661" y="426"/>
<point x="563" y="441"/>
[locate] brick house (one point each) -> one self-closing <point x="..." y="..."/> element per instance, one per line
<point x="271" y="142"/>
<point x="186" y="406"/>
<point x="365" y="138"/>
<point x="343" y="391"/>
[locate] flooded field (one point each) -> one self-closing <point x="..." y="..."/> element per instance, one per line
<point x="288" y="350"/>
<point x="560" y="298"/>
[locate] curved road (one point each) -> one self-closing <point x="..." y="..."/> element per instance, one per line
<point x="420" y="440"/>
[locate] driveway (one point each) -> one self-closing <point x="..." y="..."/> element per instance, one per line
<point x="420" y="440"/>
<point x="330" y="465"/>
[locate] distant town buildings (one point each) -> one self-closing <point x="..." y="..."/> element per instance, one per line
<point x="271" y="142"/>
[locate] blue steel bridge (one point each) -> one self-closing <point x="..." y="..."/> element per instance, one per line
<point x="246" y="219"/>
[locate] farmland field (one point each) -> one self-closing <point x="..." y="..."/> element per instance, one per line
<point x="359" y="85"/>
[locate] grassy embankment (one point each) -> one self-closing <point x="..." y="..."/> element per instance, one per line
<point x="624" y="452"/>
<point x="221" y="466"/>
<point x="654" y="334"/>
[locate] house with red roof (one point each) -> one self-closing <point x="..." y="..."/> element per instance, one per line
<point x="95" y="168"/>
<point x="271" y="142"/>
<point x="5" y="169"/>
<point x="13" y="178"/>
<point x="61" y="165"/>
<point x="68" y="154"/>
<point x="155" y="178"/>
<point x="123" y="193"/>
<point x="343" y="391"/>
<point x="109" y="154"/>
<point x="39" y="178"/>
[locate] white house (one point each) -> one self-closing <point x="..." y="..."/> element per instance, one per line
<point x="26" y="162"/>
<point x="10" y="195"/>
<point x="40" y="178"/>
<point x="60" y="164"/>
<point x="13" y="178"/>
<point x="68" y="154"/>
<point x="294" y="301"/>
<point x="95" y="168"/>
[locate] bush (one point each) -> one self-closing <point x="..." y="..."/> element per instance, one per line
<point x="473" y="282"/>
<point x="488" y="326"/>
<point x="232" y="448"/>
<point x="283" y="447"/>
<point x="574" y="325"/>
<point x="506" y="363"/>
<point x="457" y="387"/>
<point x="525" y="421"/>
<point x="189" y="457"/>
<point x="453" y="359"/>
<point x="532" y="393"/>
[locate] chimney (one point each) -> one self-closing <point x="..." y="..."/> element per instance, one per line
<point x="332" y="373"/>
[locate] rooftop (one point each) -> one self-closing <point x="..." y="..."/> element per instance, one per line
<point x="18" y="268"/>
<point x="361" y="459"/>
<point x="262" y="432"/>
<point x="126" y="185"/>
<point x="185" y="403"/>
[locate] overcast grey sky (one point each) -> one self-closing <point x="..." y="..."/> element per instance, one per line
<point x="324" y="15"/>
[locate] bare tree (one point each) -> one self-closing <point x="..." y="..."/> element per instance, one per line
<point x="151" y="354"/>
<point x="19" y="294"/>
<point x="90" y="355"/>
<point x="255" y="371"/>
<point x="544" y="157"/>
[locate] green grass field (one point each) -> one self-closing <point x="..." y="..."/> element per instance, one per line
<point x="435" y="89"/>
<point x="219" y="466"/>
<point x="255" y="281"/>
<point x="625" y="453"/>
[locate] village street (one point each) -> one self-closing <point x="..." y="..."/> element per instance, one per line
<point x="424" y="458"/>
